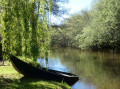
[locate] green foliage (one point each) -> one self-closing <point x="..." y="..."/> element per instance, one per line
<point x="103" y="30"/>
<point x="59" y="38"/>
<point x="24" y="27"/>
<point x="66" y="35"/>
<point x="97" y="28"/>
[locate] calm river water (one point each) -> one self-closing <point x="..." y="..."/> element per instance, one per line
<point x="96" y="69"/>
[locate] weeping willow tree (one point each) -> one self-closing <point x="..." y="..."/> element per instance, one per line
<point x="24" y="27"/>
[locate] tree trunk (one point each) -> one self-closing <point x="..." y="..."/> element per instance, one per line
<point x="1" y="56"/>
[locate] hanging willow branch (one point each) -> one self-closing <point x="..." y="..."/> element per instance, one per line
<point x="24" y="27"/>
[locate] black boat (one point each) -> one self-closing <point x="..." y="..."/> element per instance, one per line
<point x="30" y="71"/>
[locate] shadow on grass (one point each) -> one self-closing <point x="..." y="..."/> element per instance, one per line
<point x="5" y="82"/>
<point x="30" y="83"/>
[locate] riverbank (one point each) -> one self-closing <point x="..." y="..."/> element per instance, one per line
<point x="11" y="79"/>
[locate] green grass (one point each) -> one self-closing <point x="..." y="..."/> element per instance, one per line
<point x="11" y="79"/>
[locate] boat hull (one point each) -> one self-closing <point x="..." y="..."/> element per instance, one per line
<point x="33" y="72"/>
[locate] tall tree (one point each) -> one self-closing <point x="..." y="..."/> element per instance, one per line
<point x="24" y="27"/>
<point x="104" y="30"/>
<point x="69" y="33"/>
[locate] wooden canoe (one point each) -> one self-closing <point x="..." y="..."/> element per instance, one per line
<point x="48" y="74"/>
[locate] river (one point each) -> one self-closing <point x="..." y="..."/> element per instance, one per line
<point x="97" y="69"/>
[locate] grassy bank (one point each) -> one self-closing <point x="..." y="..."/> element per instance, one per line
<point x="11" y="79"/>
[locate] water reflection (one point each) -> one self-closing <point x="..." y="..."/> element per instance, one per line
<point x="96" y="69"/>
